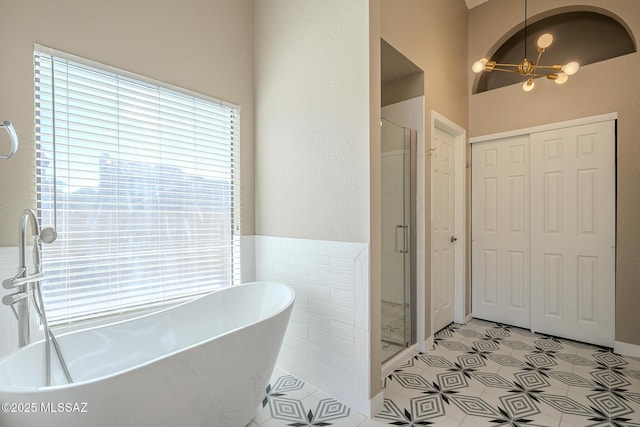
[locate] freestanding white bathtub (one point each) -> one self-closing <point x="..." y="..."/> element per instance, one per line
<point x="206" y="362"/>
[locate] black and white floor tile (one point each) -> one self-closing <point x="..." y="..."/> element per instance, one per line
<point x="482" y="374"/>
<point x="290" y="402"/>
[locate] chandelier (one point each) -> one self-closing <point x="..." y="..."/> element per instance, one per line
<point x="558" y="73"/>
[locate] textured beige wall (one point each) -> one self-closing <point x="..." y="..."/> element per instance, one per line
<point x="433" y="35"/>
<point x="402" y="89"/>
<point x="312" y="117"/>
<point x="203" y="46"/>
<point x="375" y="200"/>
<point x="608" y="86"/>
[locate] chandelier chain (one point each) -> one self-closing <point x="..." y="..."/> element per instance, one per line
<point x="525" y="28"/>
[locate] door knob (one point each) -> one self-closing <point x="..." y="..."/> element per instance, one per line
<point x="453" y="239"/>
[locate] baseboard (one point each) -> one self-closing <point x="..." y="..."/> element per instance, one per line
<point x="468" y="317"/>
<point x="428" y="344"/>
<point x="399" y="359"/>
<point x="376" y="404"/>
<point x="626" y="349"/>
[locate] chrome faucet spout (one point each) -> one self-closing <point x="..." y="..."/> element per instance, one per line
<point x="27" y="214"/>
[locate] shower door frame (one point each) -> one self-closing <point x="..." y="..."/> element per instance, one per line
<point x="413" y="234"/>
<point x="410" y="149"/>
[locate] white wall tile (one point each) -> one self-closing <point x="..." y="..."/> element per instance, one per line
<point x="330" y="278"/>
<point x="342" y="330"/>
<point x="323" y="342"/>
<point x="310" y="261"/>
<point x="8" y="324"/>
<point x="318" y="356"/>
<point x="341" y="249"/>
<point x="362" y="294"/>
<point x="301" y="246"/>
<point x="362" y="378"/>
<point x="248" y="259"/>
<point x="344" y="266"/>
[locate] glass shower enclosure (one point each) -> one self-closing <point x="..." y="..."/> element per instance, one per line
<point x="398" y="267"/>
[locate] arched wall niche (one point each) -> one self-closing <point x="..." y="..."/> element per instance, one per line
<point x="580" y="33"/>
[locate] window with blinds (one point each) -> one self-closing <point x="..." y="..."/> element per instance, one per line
<point x="142" y="182"/>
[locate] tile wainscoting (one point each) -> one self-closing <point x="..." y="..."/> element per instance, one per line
<point x="328" y="339"/>
<point x="327" y="343"/>
<point x="8" y="325"/>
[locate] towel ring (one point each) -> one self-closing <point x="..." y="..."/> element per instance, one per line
<point x="13" y="137"/>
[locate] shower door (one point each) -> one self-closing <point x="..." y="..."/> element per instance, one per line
<point x="398" y="238"/>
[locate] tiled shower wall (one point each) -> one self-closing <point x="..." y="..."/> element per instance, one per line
<point x="327" y="340"/>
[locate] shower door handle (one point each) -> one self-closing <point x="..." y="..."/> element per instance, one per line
<point x="403" y="230"/>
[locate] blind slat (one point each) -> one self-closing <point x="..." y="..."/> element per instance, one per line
<point x="146" y="188"/>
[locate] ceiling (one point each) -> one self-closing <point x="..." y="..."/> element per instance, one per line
<point x="473" y="3"/>
<point x="397" y="66"/>
<point x="394" y="64"/>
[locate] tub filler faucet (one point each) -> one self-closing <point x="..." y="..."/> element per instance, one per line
<point x="27" y="282"/>
<point x="25" y="278"/>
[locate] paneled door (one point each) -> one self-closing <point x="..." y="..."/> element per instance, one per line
<point x="573" y="232"/>
<point x="500" y="231"/>
<point x="443" y="231"/>
<point x="543" y="231"/>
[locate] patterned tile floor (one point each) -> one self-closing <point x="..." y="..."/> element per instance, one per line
<point x="291" y="402"/>
<point x="481" y="374"/>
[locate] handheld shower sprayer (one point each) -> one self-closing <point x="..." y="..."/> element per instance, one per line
<point x="48" y="235"/>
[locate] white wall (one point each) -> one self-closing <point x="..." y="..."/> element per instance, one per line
<point x="312" y="117"/>
<point x="203" y="46"/>
<point x="315" y="171"/>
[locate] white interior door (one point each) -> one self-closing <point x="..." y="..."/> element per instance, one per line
<point x="500" y="231"/>
<point x="573" y="232"/>
<point x="443" y="233"/>
<point x="543" y="231"/>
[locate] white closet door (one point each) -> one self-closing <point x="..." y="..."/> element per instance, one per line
<point x="500" y="231"/>
<point x="573" y="232"/>
<point x="442" y="228"/>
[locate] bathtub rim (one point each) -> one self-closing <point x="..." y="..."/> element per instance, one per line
<point x="25" y="390"/>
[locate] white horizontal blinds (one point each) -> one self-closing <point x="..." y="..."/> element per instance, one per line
<point x="147" y="191"/>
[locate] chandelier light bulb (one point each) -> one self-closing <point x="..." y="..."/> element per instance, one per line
<point x="562" y="78"/>
<point x="528" y="85"/>
<point x="545" y="40"/>
<point x="479" y="65"/>
<point x="571" y="68"/>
